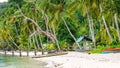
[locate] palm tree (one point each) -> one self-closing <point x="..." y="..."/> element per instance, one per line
<point x="107" y="29"/>
<point x="87" y="9"/>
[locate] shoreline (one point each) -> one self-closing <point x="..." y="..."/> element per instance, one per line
<point x="82" y="60"/>
<point x="23" y="53"/>
<point x="76" y="60"/>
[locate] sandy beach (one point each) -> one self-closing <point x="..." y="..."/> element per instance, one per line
<point x="83" y="60"/>
<point x="78" y="60"/>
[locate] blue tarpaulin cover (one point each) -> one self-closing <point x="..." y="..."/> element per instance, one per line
<point x="80" y="39"/>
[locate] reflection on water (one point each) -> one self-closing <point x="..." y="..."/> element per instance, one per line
<point x="19" y="62"/>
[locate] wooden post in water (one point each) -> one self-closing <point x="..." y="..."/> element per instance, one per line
<point x="42" y="52"/>
<point x="28" y="49"/>
<point x="12" y="52"/>
<point x="20" y="52"/>
<point x="5" y="51"/>
<point x="35" y="52"/>
<point x="28" y="52"/>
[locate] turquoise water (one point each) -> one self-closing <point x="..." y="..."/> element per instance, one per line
<point x="19" y="62"/>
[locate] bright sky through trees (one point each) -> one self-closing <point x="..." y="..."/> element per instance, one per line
<point x="3" y="0"/>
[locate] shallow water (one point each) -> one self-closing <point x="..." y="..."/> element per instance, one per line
<point x="19" y="62"/>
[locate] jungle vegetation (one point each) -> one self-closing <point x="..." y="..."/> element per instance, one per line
<point x="43" y="25"/>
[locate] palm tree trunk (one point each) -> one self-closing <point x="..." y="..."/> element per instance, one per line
<point x="11" y="47"/>
<point x="16" y="46"/>
<point x="42" y="49"/>
<point x="37" y="42"/>
<point x="117" y="26"/>
<point x="93" y="34"/>
<point x="107" y="29"/>
<point x="28" y="48"/>
<point x="58" y="46"/>
<point x="35" y="36"/>
<point x="41" y="45"/>
<point x="30" y="42"/>
<point x="90" y="21"/>
<point x="46" y="23"/>
<point x="71" y="33"/>
<point x="49" y="35"/>
<point x="35" y="52"/>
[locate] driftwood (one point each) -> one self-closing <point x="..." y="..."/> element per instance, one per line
<point x="52" y="51"/>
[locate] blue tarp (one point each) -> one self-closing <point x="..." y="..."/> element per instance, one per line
<point x="80" y="39"/>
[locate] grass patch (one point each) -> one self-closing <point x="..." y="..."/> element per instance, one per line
<point x="100" y="48"/>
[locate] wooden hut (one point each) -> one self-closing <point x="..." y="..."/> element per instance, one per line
<point x="84" y="42"/>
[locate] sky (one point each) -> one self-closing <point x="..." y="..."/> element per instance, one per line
<point x="3" y="0"/>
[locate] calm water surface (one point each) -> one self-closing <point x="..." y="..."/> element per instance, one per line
<point x="19" y="62"/>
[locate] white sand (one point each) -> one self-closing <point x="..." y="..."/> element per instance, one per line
<point x="78" y="60"/>
<point x="82" y="60"/>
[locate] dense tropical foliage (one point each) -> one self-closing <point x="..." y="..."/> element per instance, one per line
<point x="57" y="24"/>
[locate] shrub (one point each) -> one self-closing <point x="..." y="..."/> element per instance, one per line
<point x="49" y="47"/>
<point x="64" y="45"/>
<point x="98" y="50"/>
